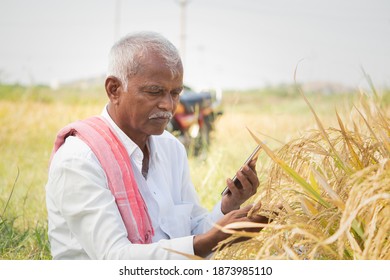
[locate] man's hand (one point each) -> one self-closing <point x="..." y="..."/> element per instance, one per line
<point x="204" y="243"/>
<point x="238" y="194"/>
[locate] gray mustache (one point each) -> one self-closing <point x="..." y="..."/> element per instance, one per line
<point x="165" y="115"/>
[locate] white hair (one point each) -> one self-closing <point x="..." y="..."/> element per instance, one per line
<point x="125" y="56"/>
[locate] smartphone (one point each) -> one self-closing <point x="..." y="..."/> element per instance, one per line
<point x="254" y="155"/>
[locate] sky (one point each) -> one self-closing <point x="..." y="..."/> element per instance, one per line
<point x="230" y="44"/>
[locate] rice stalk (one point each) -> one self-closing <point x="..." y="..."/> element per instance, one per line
<point x="357" y="163"/>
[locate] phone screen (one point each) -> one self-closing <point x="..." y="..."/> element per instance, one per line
<point x="254" y="155"/>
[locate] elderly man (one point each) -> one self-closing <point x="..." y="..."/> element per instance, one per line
<point x="119" y="185"/>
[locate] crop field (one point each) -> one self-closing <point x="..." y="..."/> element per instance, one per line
<point x="331" y="175"/>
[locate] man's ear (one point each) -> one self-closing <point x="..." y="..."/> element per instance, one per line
<point x="113" y="88"/>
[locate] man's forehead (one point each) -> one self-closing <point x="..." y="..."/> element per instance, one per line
<point x="158" y="57"/>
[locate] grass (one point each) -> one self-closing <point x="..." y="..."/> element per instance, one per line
<point x="30" y="118"/>
<point x="28" y="125"/>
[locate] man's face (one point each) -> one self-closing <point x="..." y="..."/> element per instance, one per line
<point x="152" y="94"/>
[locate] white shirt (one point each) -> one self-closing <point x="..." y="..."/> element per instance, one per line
<point x="84" y="221"/>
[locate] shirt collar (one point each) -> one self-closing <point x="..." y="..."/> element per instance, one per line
<point x="130" y="145"/>
<point x="153" y="147"/>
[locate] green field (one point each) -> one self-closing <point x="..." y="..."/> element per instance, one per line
<point x="30" y="118"/>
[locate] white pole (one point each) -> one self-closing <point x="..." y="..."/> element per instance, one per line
<point x="117" y="19"/>
<point x="183" y="6"/>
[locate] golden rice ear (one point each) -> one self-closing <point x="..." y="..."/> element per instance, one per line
<point x="255" y="208"/>
<point x="308" y="207"/>
<point x="334" y="197"/>
<point x="357" y="162"/>
<point x="288" y="170"/>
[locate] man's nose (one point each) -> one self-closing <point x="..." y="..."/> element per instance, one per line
<point x="167" y="102"/>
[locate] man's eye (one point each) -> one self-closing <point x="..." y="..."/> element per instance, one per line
<point x="154" y="91"/>
<point x="176" y="94"/>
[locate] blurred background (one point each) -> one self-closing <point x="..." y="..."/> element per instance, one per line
<point x="230" y="44"/>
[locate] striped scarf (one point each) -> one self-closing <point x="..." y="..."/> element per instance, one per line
<point x="97" y="133"/>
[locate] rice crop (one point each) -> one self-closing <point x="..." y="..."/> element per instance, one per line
<point x="327" y="192"/>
